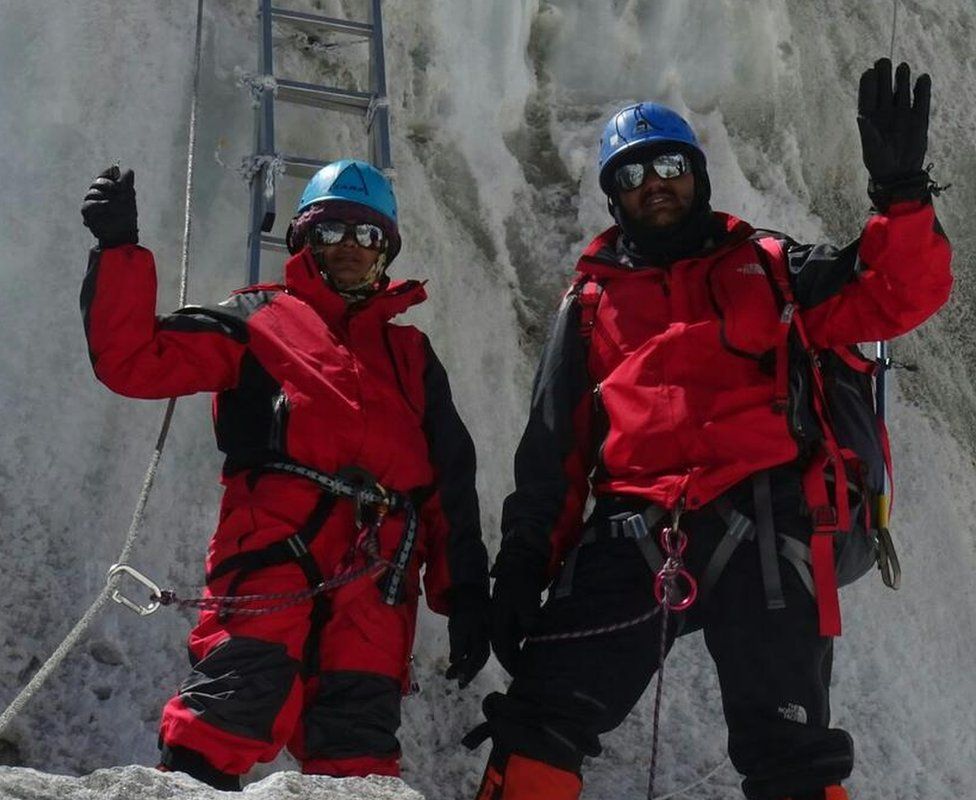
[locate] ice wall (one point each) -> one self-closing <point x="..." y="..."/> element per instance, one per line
<point x="496" y="112"/>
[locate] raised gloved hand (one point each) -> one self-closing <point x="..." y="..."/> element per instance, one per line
<point x="515" y="601"/>
<point x="894" y="133"/>
<point x="109" y="208"/>
<point x="468" y="630"/>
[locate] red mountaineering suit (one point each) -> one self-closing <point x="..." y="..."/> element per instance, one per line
<point x="300" y="377"/>
<point x="668" y="393"/>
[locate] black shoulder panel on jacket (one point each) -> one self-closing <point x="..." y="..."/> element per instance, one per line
<point x="452" y="455"/>
<point x="228" y="318"/>
<point x="817" y="271"/>
<point x="541" y="483"/>
<point x="251" y="419"/>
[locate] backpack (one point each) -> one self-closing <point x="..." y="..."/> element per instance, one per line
<point x="830" y="399"/>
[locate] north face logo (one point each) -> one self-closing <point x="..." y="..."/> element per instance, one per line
<point x="793" y="712"/>
<point x="751" y="269"/>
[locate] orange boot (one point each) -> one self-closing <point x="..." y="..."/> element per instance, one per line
<point x="829" y="793"/>
<point x="526" y="779"/>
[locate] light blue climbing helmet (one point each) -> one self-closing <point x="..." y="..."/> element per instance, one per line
<point x="638" y="126"/>
<point x="351" y="188"/>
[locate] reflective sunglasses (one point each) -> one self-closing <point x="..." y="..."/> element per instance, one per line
<point x="333" y="231"/>
<point x="665" y="166"/>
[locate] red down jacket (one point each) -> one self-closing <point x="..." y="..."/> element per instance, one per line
<point x="674" y="395"/>
<point x="300" y="376"/>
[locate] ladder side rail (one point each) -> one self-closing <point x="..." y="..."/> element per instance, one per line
<point x="263" y="182"/>
<point x="379" y="124"/>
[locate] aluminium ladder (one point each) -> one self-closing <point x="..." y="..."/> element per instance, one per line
<point x="371" y="105"/>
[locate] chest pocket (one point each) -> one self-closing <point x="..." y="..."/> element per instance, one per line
<point x="743" y="297"/>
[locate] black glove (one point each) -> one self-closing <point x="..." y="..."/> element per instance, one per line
<point x="468" y="630"/>
<point x="894" y="133"/>
<point x="109" y="208"/>
<point x="515" y="601"/>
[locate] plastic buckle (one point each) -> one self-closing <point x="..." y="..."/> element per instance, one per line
<point x="121" y="599"/>
<point x="824" y="518"/>
<point x="634" y="526"/>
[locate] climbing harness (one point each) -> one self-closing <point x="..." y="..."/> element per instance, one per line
<point x="138" y="515"/>
<point x="374" y="503"/>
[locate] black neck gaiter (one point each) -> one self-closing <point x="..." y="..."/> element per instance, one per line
<point x="701" y="230"/>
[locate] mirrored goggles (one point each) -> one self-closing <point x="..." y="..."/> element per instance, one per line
<point x="665" y="166"/>
<point x="333" y="231"/>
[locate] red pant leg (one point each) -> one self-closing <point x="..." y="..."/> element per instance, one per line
<point x="240" y="703"/>
<point x="353" y="706"/>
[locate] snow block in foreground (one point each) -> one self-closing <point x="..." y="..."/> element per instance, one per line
<point x="144" y="783"/>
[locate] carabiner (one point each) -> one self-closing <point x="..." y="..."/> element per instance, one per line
<point x="661" y="580"/>
<point x="121" y="599"/>
<point x="888" y="560"/>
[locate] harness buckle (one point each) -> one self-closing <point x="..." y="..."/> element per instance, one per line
<point x="824" y="518"/>
<point x="629" y="526"/>
<point x="297" y="546"/>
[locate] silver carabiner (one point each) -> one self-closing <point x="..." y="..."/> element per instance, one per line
<point x="121" y="599"/>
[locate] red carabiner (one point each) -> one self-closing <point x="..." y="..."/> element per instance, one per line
<point x="673" y="547"/>
<point x="685" y="602"/>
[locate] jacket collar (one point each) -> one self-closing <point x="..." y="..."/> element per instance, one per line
<point x="302" y="280"/>
<point x="602" y="258"/>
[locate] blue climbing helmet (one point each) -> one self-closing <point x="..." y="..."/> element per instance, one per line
<point x="347" y="188"/>
<point x="640" y="126"/>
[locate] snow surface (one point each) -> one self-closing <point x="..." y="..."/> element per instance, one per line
<point x="496" y="111"/>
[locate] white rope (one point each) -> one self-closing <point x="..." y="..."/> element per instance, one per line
<point x="894" y="28"/>
<point x="704" y="779"/>
<point x="138" y="516"/>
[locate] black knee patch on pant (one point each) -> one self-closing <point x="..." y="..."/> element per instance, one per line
<point x="183" y="759"/>
<point x="825" y="758"/>
<point x="241" y="686"/>
<point x="353" y="714"/>
<point x="532" y="729"/>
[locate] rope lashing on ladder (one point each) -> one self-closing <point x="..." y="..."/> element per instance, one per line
<point x="138" y="515"/>
<point x="256" y="83"/>
<point x="375" y="104"/>
<point x="251" y="165"/>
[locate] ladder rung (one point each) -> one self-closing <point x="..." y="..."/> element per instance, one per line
<point x="314" y="22"/>
<point x="302" y="167"/>
<point x="276" y="243"/>
<point x="313" y="94"/>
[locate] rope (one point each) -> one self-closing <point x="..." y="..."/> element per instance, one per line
<point x="54" y="661"/>
<point x="894" y="29"/>
<point x="702" y="780"/>
<point x="588" y="632"/>
<point x="256" y="83"/>
<point x="230" y="605"/>
<point x="659" y="690"/>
